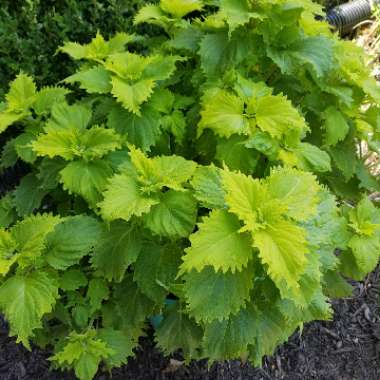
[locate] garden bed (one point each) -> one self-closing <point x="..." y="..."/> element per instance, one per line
<point x="347" y="348"/>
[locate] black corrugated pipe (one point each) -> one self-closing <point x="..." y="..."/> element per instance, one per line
<point x="344" y="17"/>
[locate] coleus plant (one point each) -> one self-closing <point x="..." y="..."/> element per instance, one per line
<point x="209" y="175"/>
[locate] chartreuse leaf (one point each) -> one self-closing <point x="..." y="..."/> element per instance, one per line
<point x="8" y="248"/>
<point x="163" y="171"/>
<point x="150" y="13"/>
<point x="124" y="198"/>
<point x="174" y="215"/>
<point x="98" y="48"/>
<point x="178" y="331"/>
<point x="116" y="248"/>
<point x="20" y="97"/>
<point x="86" y="178"/>
<point x="155" y="269"/>
<point x="84" y="352"/>
<point x="180" y="8"/>
<point x="297" y="190"/>
<point x="276" y="115"/>
<point x="47" y="97"/>
<point x="214" y="295"/>
<point x="283" y="248"/>
<point x="21" y="94"/>
<point x="132" y="96"/>
<point x="223" y="112"/>
<point x="71" y="240"/>
<point x="25" y="299"/>
<point x="218" y="243"/>
<point x="30" y="235"/>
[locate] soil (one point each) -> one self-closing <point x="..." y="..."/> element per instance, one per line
<point x="347" y="348"/>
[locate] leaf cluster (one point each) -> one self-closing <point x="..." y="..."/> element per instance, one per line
<point x="208" y="175"/>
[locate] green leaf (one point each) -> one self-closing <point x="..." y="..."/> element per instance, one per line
<point x="23" y="147"/>
<point x="179" y="332"/>
<point x="336" y="126"/>
<point x="214" y="295"/>
<point x="336" y="286"/>
<point x="142" y="131"/>
<point x="116" y="249"/>
<point x="25" y="300"/>
<point x="230" y="338"/>
<point x="87" y="179"/>
<point x="132" y="96"/>
<point x="71" y="240"/>
<point x="218" y="243"/>
<point x="124" y="198"/>
<point x="207" y="184"/>
<point x="7" y="212"/>
<point x="234" y="153"/>
<point x="121" y="343"/>
<point x="223" y="113"/>
<point x="174" y="215"/>
<point x="72" y="279"/>
<point x="155" y="270"/>
<point x="96" y="80"/>
<point x="314" y="157"/>
<point x="21" y="94"/>
<point x="149" y="13"/>
<point x="98" y="291"/>
<point x="180" y="8"/>
<point x="84" y="352"/>
<point x="28" y="195"/>
<point x="133" y="305"/>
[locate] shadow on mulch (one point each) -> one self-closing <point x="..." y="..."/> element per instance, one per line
<point x="347" y="348"/>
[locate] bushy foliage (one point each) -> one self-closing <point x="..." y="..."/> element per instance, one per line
<point x="31" y="31"/>
<point x="208" y="175"/>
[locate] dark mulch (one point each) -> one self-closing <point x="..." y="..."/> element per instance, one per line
<point x="347" y="348"/>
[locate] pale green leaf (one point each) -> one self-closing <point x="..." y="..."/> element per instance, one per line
<point x="71" y="240"/>
<point x="214" y="295"/>
<point x="87" y="179"/>
<point x="96" y="80"/>
<point x="47" y="97"/>
<point x="207" y="184"/>
<point x="25" y="300"/>
<point x="336" y="126"/>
